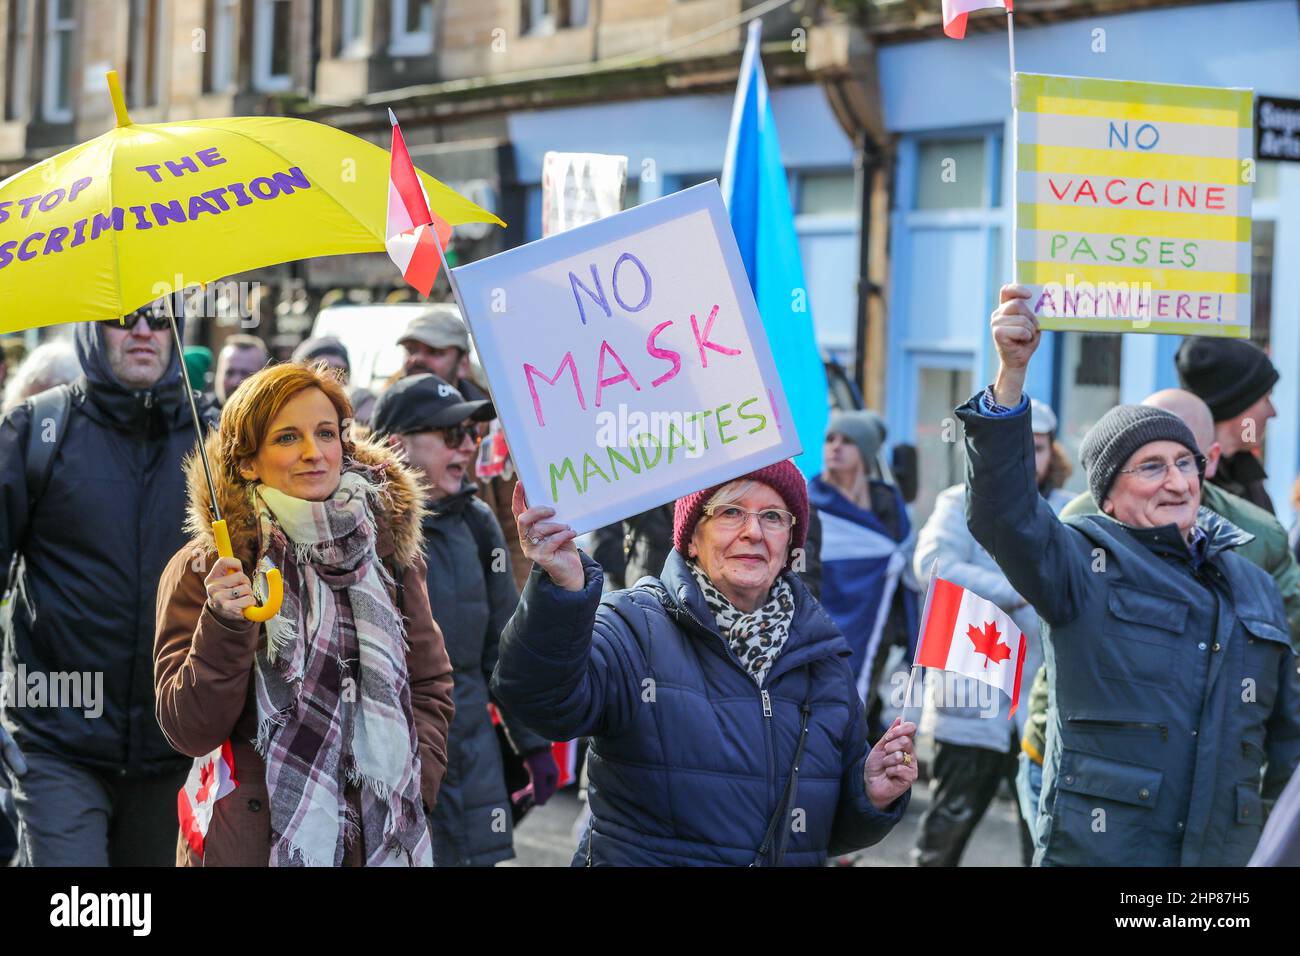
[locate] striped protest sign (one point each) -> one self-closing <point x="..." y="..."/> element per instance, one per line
<point x="1133" y="205"/>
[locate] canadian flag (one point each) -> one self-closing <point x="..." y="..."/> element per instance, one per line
<point x="964" y="633"/>
<point x="413" y="229"/>
<point x="211" y="778"/>
<point x="954" y="14"/>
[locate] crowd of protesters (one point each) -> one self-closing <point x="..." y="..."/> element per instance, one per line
<point x="724" y="657"/>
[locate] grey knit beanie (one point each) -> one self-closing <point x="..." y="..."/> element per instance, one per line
<point x="865" y="429"/>
<point x="1118" y="434"/>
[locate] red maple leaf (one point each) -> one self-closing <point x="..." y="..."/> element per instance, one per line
<point x="987" y="642"/>
<point x="207" y="774"/>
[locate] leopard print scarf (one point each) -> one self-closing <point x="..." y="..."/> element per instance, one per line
<point x="755" y="638"/>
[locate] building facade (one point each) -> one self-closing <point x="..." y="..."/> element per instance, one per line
<point x="871" y="101"/>
<point x="948" y="102"/>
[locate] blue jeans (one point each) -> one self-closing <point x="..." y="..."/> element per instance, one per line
<point x="1029" y="788"/>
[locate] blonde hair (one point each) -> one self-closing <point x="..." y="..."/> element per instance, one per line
<point x="731" y="492"/>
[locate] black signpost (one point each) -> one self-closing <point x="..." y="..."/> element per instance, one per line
<point x="1277" y="129"/>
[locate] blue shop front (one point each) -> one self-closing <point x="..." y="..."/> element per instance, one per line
<point x="947" y="103"/>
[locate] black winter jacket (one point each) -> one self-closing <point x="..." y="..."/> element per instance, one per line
<point x="472" y="595"/>
<point x="92" y="553"/>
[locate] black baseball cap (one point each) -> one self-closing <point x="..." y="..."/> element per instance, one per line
<point x="420" y="403"/>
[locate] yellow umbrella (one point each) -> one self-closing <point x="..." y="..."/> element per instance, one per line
<point x="107" y="226"/>
<point x="141" y="211"/>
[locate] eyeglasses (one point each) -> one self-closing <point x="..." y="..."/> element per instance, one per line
<point x="455" y="435"/>
<point x="157" y="321"/>
<point x="1153" y="471"/>
<point x="731" y="518"/>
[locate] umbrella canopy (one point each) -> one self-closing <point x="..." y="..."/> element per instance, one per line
<point x="108" y="226"/>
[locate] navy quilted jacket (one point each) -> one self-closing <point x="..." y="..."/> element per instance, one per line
<point x="689" y="758"/>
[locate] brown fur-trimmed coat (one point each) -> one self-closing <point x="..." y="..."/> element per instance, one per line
<point x="203" y="664"/>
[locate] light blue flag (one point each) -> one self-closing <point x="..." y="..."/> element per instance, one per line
<point x="758" y="201"/>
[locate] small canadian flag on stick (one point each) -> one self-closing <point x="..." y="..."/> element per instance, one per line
<point x="964" y="633"/>
<point x="211" y="778"/>
<point x="416" y="236"/>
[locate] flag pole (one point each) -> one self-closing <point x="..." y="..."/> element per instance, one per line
<point x="925" y="614"/>
<point x="1015" y="140"/>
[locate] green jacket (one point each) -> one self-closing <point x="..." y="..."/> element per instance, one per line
<point x="1269" y="550"/>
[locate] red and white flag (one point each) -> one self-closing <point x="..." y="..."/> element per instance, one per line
<point x="954" y="14"/>
<point x="413" y="228"/>
<point x="211" y="778"/>
<point x="964" y="633"/>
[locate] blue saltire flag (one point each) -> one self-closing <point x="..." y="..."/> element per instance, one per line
<point x="758" y="201"/>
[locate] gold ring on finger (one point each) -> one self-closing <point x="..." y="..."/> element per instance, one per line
<point x="907" y="759"/>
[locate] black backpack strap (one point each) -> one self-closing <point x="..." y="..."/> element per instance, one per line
<point x="55" y="406"/>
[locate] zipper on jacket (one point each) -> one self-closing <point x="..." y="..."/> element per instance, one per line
<point x="763" y="696"/>
<point x="1123" y="724"/>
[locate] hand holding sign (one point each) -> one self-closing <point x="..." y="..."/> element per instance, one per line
<point x="548" y="543"/>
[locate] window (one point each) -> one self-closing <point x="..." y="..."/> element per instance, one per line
<point x="144" y="26"/>
<point x="544" y="17"/>
<point x="827" y="194"/>
<point x="352" y="28"/>
<point x="950" y="174"/>
<point x="412" y="33"/>
<point x="1088" y="376"/>
<point x="1266" y="172"/>
<point x="271" y="45"/>
<point x="56" y="88"/>
<point x="940" y="450"/>
<point x="17" y="59"/>
<point x="221" y="59"/>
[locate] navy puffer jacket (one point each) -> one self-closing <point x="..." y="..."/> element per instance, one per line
<point x="689" y="759"/>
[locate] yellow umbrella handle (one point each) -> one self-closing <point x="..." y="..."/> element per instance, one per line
<point x="274" y="584"/>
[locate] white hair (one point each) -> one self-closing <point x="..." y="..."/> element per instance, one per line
<point x="731" y="492"/>
<point x="50" y="364"/>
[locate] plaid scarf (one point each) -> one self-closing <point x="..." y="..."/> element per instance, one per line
<point x="755" y="638"/>
<point x="333" y="693"/>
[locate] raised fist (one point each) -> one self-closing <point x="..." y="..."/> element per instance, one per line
<point x="1015" y="330"/>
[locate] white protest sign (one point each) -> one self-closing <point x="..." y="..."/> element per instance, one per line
<point x="627" y="360"/>
<point x="578" y="188"/>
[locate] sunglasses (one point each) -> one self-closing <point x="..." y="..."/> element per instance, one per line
<point x="157" y="322"/>
<point x="455" y="435"/>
